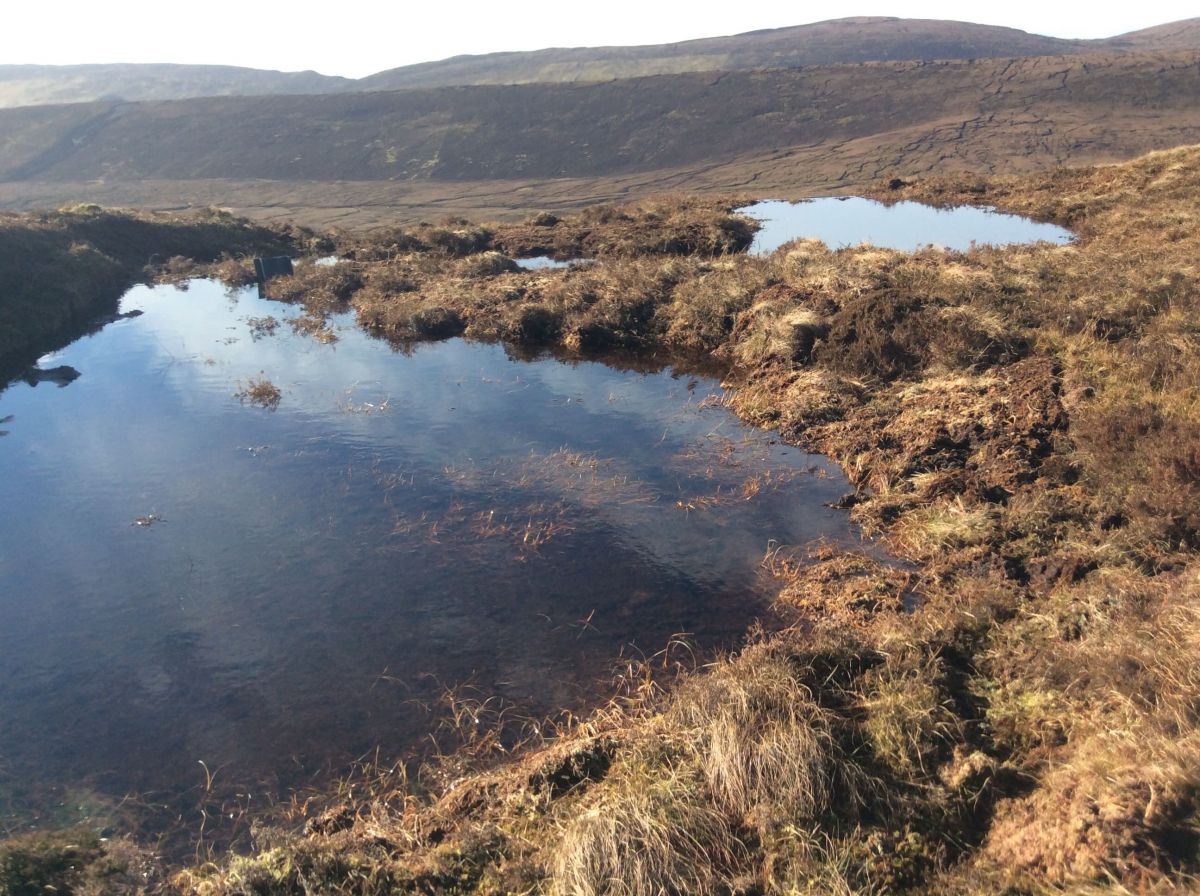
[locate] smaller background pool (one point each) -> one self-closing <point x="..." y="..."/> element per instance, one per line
<point x="907" y="226"/>
<point x="540" y="262"/>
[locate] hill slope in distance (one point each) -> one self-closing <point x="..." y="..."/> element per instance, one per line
<point x="1058" y="105"/>
<point x="35" y="85"/>
<point x="361" y="158"/>
<point x="838" y="41"/>
<point x="848" y="40"/>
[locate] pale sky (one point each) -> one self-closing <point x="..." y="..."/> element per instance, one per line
<point x="355" y="38"/>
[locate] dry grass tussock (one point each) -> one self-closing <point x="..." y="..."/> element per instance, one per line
<point x="768" y="750"/>
<point x="645" y="833"/>
<point x="77" y="861"/>
<point x="673" y="791"/>
<point x="321" y="289"/>
<point x="612" y="793"/>
<point x="664" y="225"/>
<point x="260" y="391"/>
<point x="1021" y="428"/>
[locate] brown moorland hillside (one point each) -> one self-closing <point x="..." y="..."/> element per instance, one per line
<point x="833" y="42"/>
<point x="1181" y="35"/>
<point x="364" y="159"/>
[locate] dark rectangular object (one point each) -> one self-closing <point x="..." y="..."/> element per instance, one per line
<point x="276" y="266"/>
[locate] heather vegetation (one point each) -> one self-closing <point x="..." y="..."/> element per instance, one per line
<point x="1011" y="705"/>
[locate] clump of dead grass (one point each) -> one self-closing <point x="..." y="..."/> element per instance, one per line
<point x="1110" y="811"/>
<point x="767" y="749"/>
<point x="487" y="264"/>
<point x="666" y="225"/>
<point x="259" y="391"/>
<point x="456" y="237"/>
<point x="704" y="308"/>
<point x="647" y="830"/>
<point x="840" y="586"/>
<point x="75" y="861"/>
<point x="321" y="289"/>
<point x="314" y="325"/>
<point x="777" y="329"/>
<point x="262" y="327"/>
<point x="616" y="305"/>
<point x="935" y="528"/>
<point x="909" y="720"/>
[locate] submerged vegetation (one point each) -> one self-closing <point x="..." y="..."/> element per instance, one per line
<point x="260" y="391"/>
<point x="1015" y="709"/>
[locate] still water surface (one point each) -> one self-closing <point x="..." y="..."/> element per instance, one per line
<point x="185" y="577"/>
<point x="544" y="262"/>
<point x="907" y="226"/>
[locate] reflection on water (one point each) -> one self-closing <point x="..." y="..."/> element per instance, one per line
<point x="185" y="577"/>
<point x="907" y="226"/>
<point x="60" y="376"/>
<point x="544" y="262"/>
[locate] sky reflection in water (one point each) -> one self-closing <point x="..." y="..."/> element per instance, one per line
<point x="850" y="220"/>
<point x="309" y="577"/>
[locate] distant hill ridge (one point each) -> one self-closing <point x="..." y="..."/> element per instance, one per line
<point x="839" y="41"/>
<point x="35" y="85"/>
